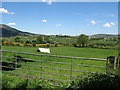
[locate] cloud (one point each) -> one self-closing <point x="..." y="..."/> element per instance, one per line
<point x="58" y="25"/>
<point x="113" y="24"/>
<point x="44" y="21"/>
<point x="49" y="1"/>
<point x="11" y="24"/>
<point x="93" y="22"/>
<point x="12" y="13"/>
<point x="3" y="10"/>
<point x="107" y="25"/>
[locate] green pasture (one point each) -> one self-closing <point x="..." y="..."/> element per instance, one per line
<point x="62" y="51"/>
<point x="67" y="51"/>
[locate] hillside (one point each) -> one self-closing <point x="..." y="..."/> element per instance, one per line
<point x="104" y="36"/>
<point x="8" y="31"/>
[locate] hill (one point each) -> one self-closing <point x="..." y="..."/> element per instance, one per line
<point x="104" y="36"/>
<point x="8" y="31"/>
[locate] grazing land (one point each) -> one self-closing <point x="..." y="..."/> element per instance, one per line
<point x="67" y="51"/>
<point x="61" y="51"/>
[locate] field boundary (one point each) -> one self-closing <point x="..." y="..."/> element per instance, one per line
<point x="41" y="61"/>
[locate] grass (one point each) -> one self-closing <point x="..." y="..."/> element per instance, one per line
<point x="63" y="51"/>
<point x="68" y="51"/>
<point x="11" y="81"/>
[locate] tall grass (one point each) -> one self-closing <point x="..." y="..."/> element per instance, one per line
<point x="10" y="81"/>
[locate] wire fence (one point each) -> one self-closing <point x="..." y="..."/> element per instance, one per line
<point x="65" y="70"/>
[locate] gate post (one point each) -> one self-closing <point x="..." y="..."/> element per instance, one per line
<point x="113" y="65"/>
<point x="16" y="60"/>
<point x="71" y="69"/>
<point x="110" y="64"/>
<point x="118" y="65"/>
<point x="41" y="70"/>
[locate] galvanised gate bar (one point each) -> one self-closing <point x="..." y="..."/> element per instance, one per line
<point x="53" y="68"/>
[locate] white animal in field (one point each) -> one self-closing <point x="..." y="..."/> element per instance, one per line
<point x="44" y="50"/>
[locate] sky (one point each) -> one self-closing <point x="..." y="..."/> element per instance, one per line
<point x="66" y="18"/>
<point x="60" y="0"/>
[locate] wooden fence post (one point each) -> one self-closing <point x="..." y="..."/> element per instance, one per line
<point x="110" y="64"/>
<point x="118" y="65"/>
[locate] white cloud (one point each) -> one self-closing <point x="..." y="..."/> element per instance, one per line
<point x="11" y="24"/>
<point x="113" y="24"/>
<point x="93" y="22"/>
<point x="58" y="25"/>
<point x="107" y="25"/>
<point x="49" y="1"/>
<point x="12" y="13"/>
<point x="44" y="21"/>
<point x="3" y="10"/>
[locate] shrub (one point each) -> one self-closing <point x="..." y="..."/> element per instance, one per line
<point x="97" y="81"/>
<point x="29" y="45"/>
<point x="42" y="45"/>
<point x="33" y="44"/>
<point x="11" y="81"/>
<point x="17" y="44"/>
<point x="8" y="43"/>
<point x="60" y="45"/>
<point x="52" y="45"/>
<point x="56" y="45"/>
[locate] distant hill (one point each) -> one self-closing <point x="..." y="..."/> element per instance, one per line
<point x="8" y="31"/>
<point x="104" y="36"/>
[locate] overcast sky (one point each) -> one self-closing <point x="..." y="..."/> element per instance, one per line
<point x="68" y="18"/>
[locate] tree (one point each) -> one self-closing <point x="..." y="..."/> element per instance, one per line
<point x="82" y="40"/>
<point x="27" y="42"/>
<point x="33" y="44"/>
<point x="17" y="39"/>
<point x="46" y="39"/>
<point x="40" y="39"/>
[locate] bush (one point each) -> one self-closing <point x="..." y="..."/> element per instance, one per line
<point x="17" y="44"/>
<point x="97" y="81"/>
<point x="34" y="44"/>
<point x="60" y="45"/>
<point x="8" y="43"/>
<point x="11" y="81"/>
<point x="52" y="45"/>
<point x="56" y="45"/>
<point x="42" y="45"/>
<point x="29" y="45"/>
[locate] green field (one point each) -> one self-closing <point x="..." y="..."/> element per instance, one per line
<point x="62" y="51"/>
<point x="68" y="51"/>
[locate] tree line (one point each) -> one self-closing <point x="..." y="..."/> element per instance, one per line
<point x="77" y="41"/>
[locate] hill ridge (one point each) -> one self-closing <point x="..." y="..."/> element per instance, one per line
<point x="8" y="31"/>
